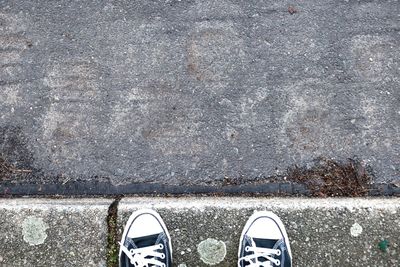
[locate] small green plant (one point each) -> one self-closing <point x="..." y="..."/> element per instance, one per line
<point x="383" y="245"/>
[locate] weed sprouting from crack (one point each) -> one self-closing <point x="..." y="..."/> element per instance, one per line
<point x="112" y="238"/>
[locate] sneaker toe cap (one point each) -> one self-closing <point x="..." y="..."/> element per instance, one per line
<point x="145" y="225"/>
<point x="265" y="228"/>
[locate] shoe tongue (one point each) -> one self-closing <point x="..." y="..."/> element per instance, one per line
<point x="146" y="241"/>
<point x="265" y="243"/>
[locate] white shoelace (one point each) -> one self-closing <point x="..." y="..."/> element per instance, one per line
<point x="139" y="257"/>
<point x="266" y="253"/>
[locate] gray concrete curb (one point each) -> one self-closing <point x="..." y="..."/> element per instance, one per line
<point x="49" y="232"/>
<point x="323" y="232"/>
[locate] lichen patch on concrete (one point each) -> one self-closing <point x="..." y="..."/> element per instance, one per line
<point x="356" y="230"/>
<point x="34" y="230"/>
<point x="211" y="251"/>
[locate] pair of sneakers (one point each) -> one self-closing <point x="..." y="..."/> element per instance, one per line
<point x="146" y="242"/>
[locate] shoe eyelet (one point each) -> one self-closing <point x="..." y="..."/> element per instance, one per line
<point x="278" y="252"/>
<point x="277" y="262"/>
<point x="161" y="246"/>
<point x="131" y="251"/>
<point x="162" y="256"/>
<point x="247" y="249"/>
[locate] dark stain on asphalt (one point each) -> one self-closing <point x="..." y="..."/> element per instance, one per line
<point x="7" y="170"/>
<point x="329" y="178"/>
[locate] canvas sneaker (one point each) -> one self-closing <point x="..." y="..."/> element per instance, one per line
<point x="145" y="241"/>
<point x="264" y="242"/>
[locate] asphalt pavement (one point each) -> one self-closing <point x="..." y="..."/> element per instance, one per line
<point x="109" y="97"/>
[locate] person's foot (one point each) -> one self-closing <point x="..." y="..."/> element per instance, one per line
<point x="145" y="241"/>
<point x="264" y="242"/>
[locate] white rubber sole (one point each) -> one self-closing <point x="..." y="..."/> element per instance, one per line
<point x="136" y="214"/>
<point x="273" y="216"/>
